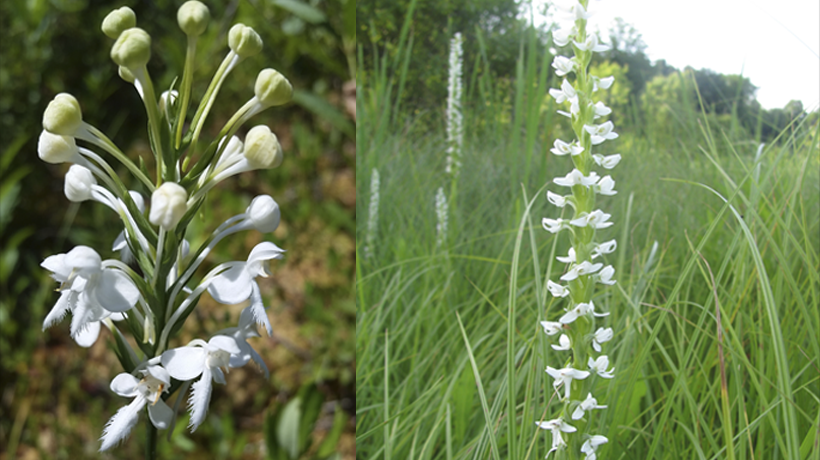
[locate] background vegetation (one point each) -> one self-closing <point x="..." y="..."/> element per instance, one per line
<point x="55" y="398"/>
<point x="717" y="261"/>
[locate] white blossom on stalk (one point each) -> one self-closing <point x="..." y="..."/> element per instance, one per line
<point x="600" y="336"/>
<point x="372" y="214"/>
<point x="605" y="276"/>
<point x="599" y="366"/>
<point x="601" y="110"/>
<point x="554" y="225"/>
<point x="563" y="343"/>
<point x="561" y="148"/>
<point x="602" y="83"/>
<point x="582" y="309"/>
<point x="584" y="268"/>
<point x="238" y="283"/>
<point x="563" y="65"/>
<point x="561" y="36"/>
<point x="606" y="162"/>
<point x="570" y="257"/>
<point x="241" y="333"/>
<point x="576" y="177"/>
<point x="556" y="427"/>
<point x="557" y="290"/>
<point x="147" y="391"/>
<point x="591" y="445"/>
<point x="596" y="219"/>
<point x="455" y="135"/>
<point x="558" y="200"/>
<point x="605" y="186"/>
<point x="591" y="44"/>
<point x="564" y="377"/>
<point x="552" y="327"/>
<point x="601" y="133"/>
<point x="587" y="404"/>
<point x="441" y="217"/>
<point x="207" y="360"/>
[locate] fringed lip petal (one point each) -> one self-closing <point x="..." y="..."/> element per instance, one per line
<point x="199" y="399"/>
<point x="121" y="424"/>
<point x="88" y="335"/>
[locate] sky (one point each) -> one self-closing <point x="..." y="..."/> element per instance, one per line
<point x="774" y="43"/>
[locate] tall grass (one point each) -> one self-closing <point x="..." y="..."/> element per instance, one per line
<point x="716" y="306"/>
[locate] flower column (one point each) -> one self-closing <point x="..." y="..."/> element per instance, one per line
<point x="579" y="338"/>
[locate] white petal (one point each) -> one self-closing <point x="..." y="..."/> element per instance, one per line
<point x="63" y="305"/>
<point x="160" y="414"/>
<point x="264" y="251"/>
<point x="115" y="291"/>
<point x="57" y="266"/>
<point x="85" y="313"/>
<point x="184" y="363"/>
<point x="258" y="309"/>
<point x="87" y="336"/>
<point x="119" y="242"/>
<point x="232" y="286"/>
<point x="121" y="424"/>
<point x="218" y="375"/>
<point x="260" y="362"/>
<point x="125" y="384"/>
<point x="223" y="342"/>
<point x="199" y="400"/>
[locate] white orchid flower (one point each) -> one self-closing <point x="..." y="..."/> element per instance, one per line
<point x="89" y="335"/>
<point x="238" y="283"/>
<point x="554" y="225"/>
<point x="591" y="44"/>
<point x="606" y="162"/>
<point x="563" y="343"/>
<point x="149" y="389"/>
<point x="89" y="290"/>
<point x="561" y="148"/>
<point x="604" y="248"/>
<point x="600" y="133"/>
<point x="600" y="336"/>
<point x="559" y="200"/>
<point x="556" y="289"/>
<point x="584" y="268"/>
<point x="603" y="83"/>
<point x="245" y="330"/>
<point x="207" y="360"/>
<point x="552" y="327"/>
<point x="596" y="219"/>
<point x="581" y="309"/>
<point x="605" y="276"/>
<point x="570" y="257"/>
<point x="591" y="445"/>
<point x="599" y="366"/>
<point x="556" y="427"/>
<point x="563" y="65"/>
<point x="600" y="110"/>
<point x="587" y="404"/>
<point x="605" y="186"/>
<point x="564" y="377"/>
<point x="576" y="177"/>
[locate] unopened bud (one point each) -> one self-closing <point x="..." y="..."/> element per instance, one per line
<point x="264" y="213"/>
<point x="272" y="88"/>
<point x="132" y="49"/>
<point x="78" y="182"/>
<point x="262" y="149"/>
<point x="56" y="149"/>
<point x="119" y="20"/>
<point x="166" y="100"/>
<point x="244" y="41"/>
<point x="63" y="115"/>
<point x="193" y="18"/>
<point x="168" y="205"/>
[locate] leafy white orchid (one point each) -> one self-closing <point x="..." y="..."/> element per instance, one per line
<point x="552" y="327"/>
<point x="591" y="445"/>
<point x="245" y="330"/>
<point x="599" y="366"/>
<point x="201" y="358"/>
<point x="562" y="148"/>
<point x="147" y="390"/>
<point x="565" y="377"/>
<point x="556" y="289"/>
<point x="587" y="404"/>
<point x="556" y="426"/>
<point x="90" y="291"/>
<point x="576" y="177"/>
<point x="564" y="343"/>
<point x="582" y="309"/>
<point x="600" y="336"/>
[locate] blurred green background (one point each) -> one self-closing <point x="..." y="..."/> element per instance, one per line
<point x="55" y="398"/>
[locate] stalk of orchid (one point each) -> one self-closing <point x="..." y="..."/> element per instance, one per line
<point x="574" y="378"/>
<point x="153" y="302"/>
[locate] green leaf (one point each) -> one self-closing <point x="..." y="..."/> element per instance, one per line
<point x="312" y="400"/>
<point x="287" y="427"/>
<point x="328" y="446"/>
<point x="322" y="108"/>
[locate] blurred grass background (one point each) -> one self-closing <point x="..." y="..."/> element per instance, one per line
<point x="55" y="398"/>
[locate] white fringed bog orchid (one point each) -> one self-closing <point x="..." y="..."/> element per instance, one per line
<point x="574" y="380"/>
<point x="154" y="301"/>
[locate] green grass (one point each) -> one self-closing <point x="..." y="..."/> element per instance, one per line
<point x="715" y="310"/>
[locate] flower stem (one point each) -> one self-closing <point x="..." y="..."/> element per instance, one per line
<point x="150" y="441"/>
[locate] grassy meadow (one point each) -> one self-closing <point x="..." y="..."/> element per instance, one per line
<point x="716" y="266"/>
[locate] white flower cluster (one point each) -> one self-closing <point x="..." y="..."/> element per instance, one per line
<point x="441" y="217"/>
<point x="372" y="215"/>
<point x="152" y="303"/>
<point x="578" y="321"/>
<point x="455" y="128"/>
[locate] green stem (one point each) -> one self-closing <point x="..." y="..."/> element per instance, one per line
<point x="185" y="88"/>
<point x="150" y="440"/>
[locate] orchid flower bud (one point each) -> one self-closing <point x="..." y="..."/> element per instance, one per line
<point x="63" y="115"/>
<point x="272" y="88"/>
<point x="56" y="149"/>
<point x="132" y="49"/>
<point x="168" y="205"/>
<point x="262" y="149"/>
<point x="78" y="183"/>
<point x="119" y="20"/>
<point x="244" y="41"/>
<point x="193" y="18"/>
<point x="166" y="100"/>
<point x="264" y="213"/>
